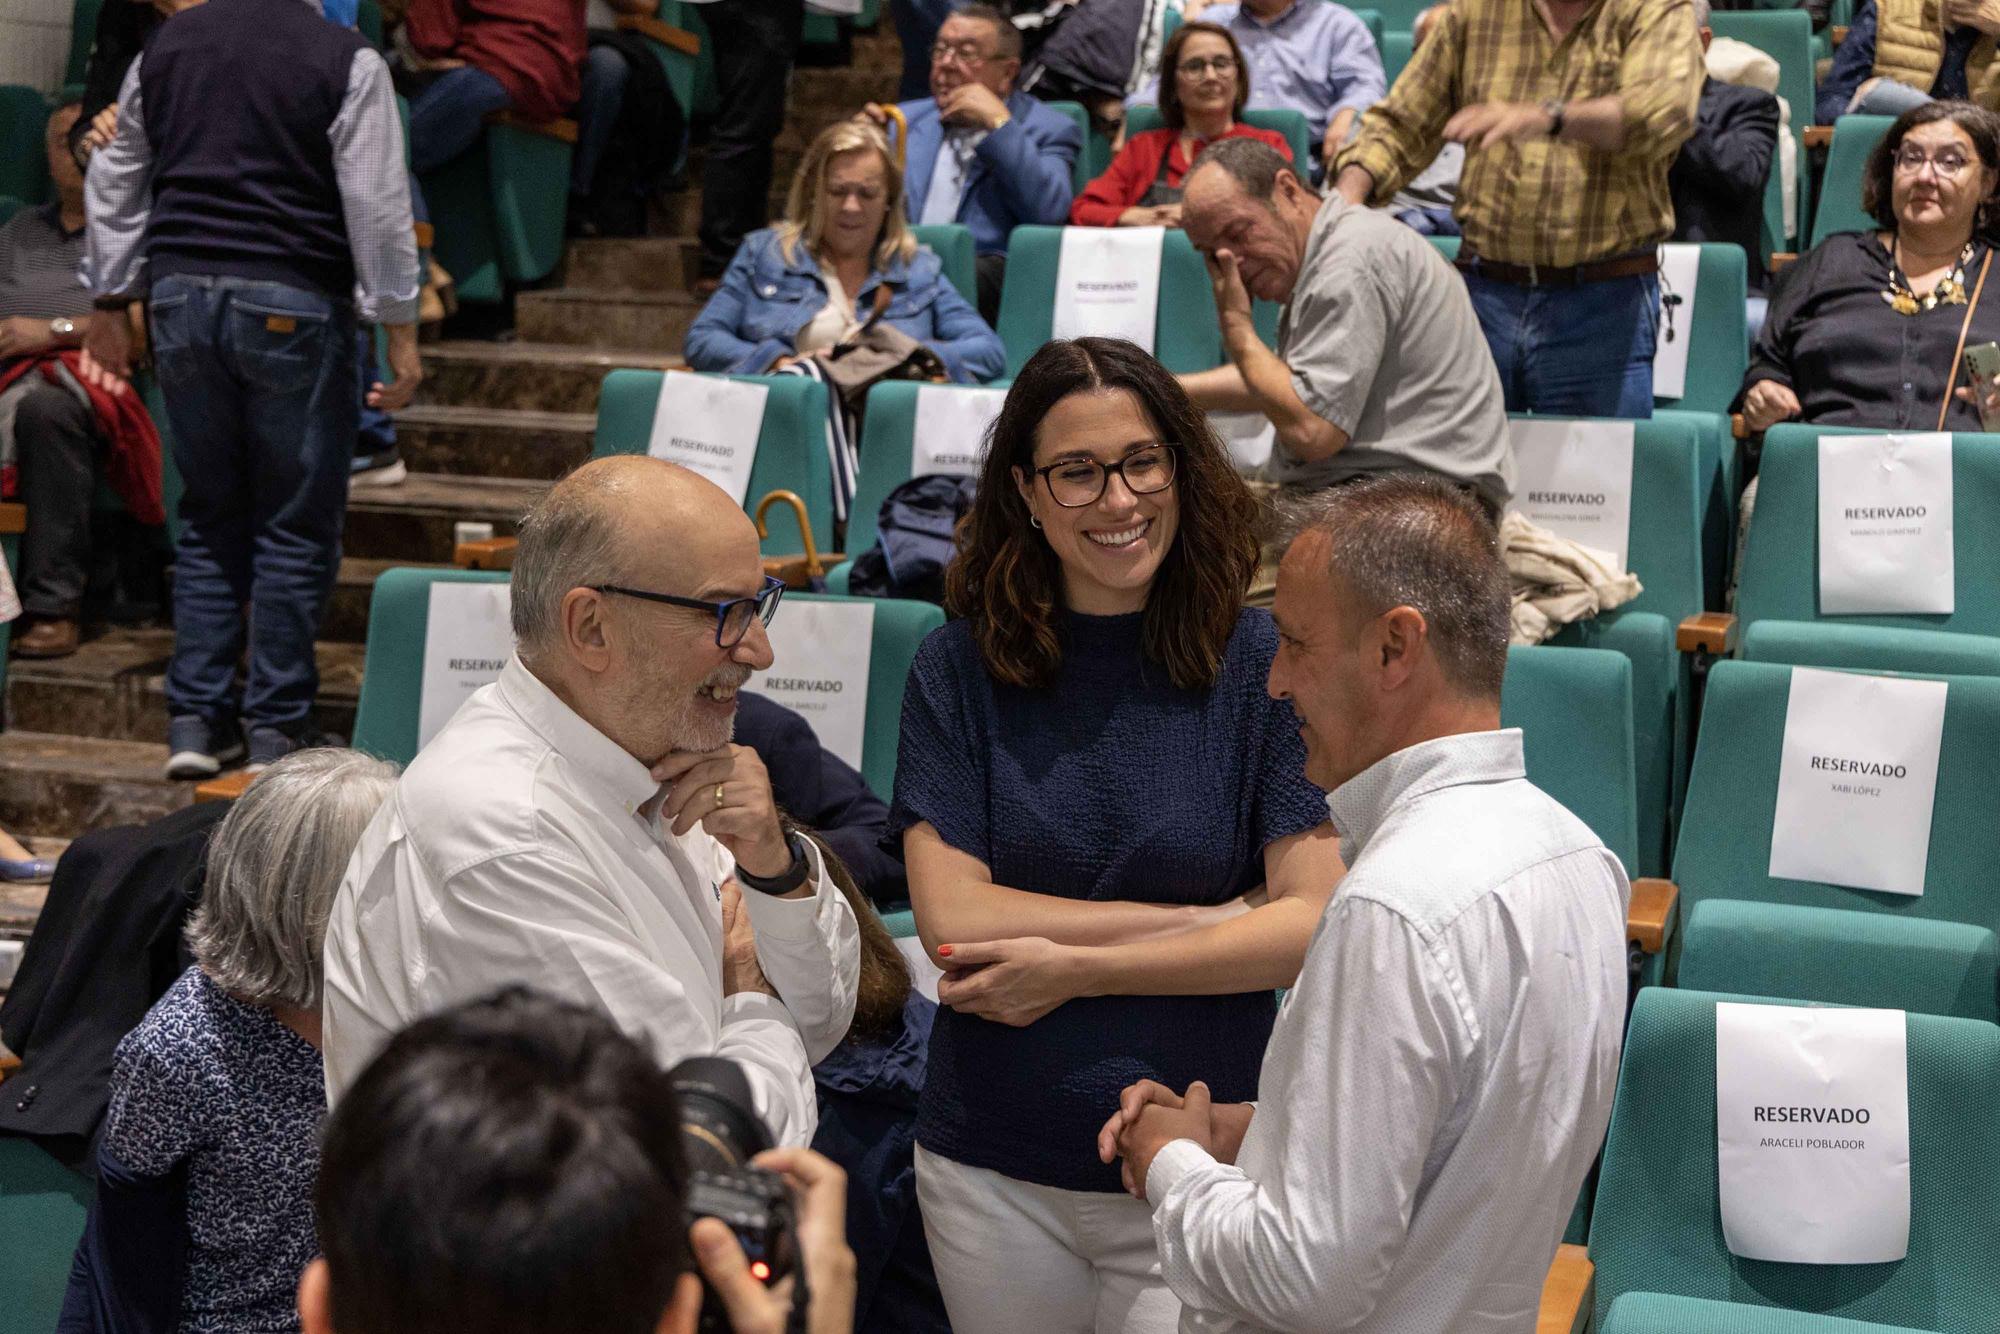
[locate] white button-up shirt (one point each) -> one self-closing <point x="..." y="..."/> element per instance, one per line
<point x="1439" y="1080"/>
<point x="525" y="846"/>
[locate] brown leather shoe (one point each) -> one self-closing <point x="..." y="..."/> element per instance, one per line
<point x="47" y="639"/>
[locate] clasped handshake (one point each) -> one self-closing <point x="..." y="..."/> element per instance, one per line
<point x="1151" y="1116"/>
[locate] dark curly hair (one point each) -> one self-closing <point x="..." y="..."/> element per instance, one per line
<point x="1980" y="125"/>
<point x="1007" y="582"/>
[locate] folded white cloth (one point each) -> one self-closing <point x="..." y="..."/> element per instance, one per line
<point x="1556" y="581"/>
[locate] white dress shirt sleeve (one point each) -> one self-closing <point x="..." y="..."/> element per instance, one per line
<point x="810" y="951"/>
<point x="538" y="915"/>
<point x="117" y="194"/>
<point x="1308" y="1241"/>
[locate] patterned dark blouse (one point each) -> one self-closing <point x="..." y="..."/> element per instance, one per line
<point x="219" y="1095"/>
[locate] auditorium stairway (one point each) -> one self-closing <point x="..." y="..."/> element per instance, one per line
<point x="495" y="422"/>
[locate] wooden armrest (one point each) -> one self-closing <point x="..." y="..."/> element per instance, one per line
<point x="1782" y="260"/>
<point x="1568" y="1292"/>
<point x="425" y="233"/>
<point x="1816" y="136"/>
<point x="666" y="34"/>
<point x="13" y="518"/>
<point x="560" y="128"/>
<point x="493" y="553"/>
<point x="1711" y="632"/>
<point x="1738" y="426"/>
<point x="1838" y="33"/>
<point x="224" y="787"/>
<point x="1652" y="909"/>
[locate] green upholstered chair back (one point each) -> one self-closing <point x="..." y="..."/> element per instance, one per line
<point x="392" y="675"/>
<point x="1397" y="15"/>
<point x="1292" y="124"/>
<point x="1717" y="330"/>
<point x="1854" y="138"/>
<point x="1397" y="48"/>
<point x="1781" y="563"/>
<point x="24" y="163"/>
<point x="791" y="450"/>
<point x="42" y="1209"/>
<point x="1657" y="1226"/>
<point x="952" y="243"/>
<point x="1786" y="36"/>
<point x="1448" y="246"/>
<point x="1870" y="648"/>
<point x="1087" y="157"/>
<point x="900" y="626"/>
<point x="886" y="439"/>
<point x="527" y="180"/>
<point x="1725" y="837"/>
<point x="1574" y="709"/>
<point x="1186" y="335"/>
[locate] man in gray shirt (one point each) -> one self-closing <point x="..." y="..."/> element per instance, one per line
<point x="1381" y="366"/>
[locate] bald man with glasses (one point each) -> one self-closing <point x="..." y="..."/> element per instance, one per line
<point x="585" y="826"/>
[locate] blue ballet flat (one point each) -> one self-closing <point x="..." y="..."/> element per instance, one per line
<point x="33" y="871"/>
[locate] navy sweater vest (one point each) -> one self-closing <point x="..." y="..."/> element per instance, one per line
<point x="237" y="98"/>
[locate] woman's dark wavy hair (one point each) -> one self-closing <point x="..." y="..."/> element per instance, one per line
<point x="1980" y="125"/>
<point x="1170" y="59"/>
<point x="1006" y="580"/>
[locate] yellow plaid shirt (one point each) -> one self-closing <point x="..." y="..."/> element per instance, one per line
<point x="1544" y="201"/>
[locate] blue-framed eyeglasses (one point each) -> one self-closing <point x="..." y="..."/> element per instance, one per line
<point x="732" y="617"/>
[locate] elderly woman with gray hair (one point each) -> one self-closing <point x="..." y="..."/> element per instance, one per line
<point x="203" y="1218"/>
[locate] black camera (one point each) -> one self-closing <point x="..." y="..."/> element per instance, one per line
<point x="720" y="1134"/>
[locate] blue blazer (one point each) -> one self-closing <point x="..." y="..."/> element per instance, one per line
<point x="1022" y="173"/>
<point x="765" y="301"/>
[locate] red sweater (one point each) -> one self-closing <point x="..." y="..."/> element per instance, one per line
<point x="535" y="48"/>
<point x="1132" y="173"/>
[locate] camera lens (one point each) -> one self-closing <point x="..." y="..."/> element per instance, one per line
<point x="719" y="1127"/>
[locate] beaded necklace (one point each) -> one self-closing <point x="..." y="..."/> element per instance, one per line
<point x="1950" y="290"/>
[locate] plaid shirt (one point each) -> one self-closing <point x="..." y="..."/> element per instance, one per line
<point x="1545" y="201"/>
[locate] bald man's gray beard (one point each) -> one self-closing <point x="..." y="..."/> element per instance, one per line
<point x="690" y="727"/>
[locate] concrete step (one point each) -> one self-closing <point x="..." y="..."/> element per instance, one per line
<point x="347" y="612"/>
<point x="494" y="442"/>
<point x="413" y="523"/>
<point x="606" y="319"/>
<point x="678" y="212"/>
<point x="633" y="263"/>
<point x="841" y="90"/>
<point x="546" y="377"/>
<point x="113" y="688"/>
<point x="61" y="785"/>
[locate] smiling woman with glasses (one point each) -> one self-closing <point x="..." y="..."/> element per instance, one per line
<point x="1112" y="849"/>
<point x="1204" y="84"/>
<point x="1868" y="329"/>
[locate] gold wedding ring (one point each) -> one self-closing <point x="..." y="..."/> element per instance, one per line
<point x="718" y="796"/>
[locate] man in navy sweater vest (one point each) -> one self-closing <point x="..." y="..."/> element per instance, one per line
<point x="255" y="196"/>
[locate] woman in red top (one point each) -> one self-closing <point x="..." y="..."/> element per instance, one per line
<point x="1203" y="86"/>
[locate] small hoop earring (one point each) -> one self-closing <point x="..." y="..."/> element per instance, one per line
<point x="1035" y="521"/>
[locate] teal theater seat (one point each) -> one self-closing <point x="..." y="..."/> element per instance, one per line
<point x="1397" y="48"/>
<point x="1854" y="138"/>
<point x="1574" y="709"/>
<point x="1087" y="166"/>
<point x="386" y="716"/>
<point x="499" y="207"/>
<point x="1292" y="124"/>
<point x="1781" y="565"/>
<point x="899" y="629"/>
<point x="1395" y="15"/>
<point x="1186" y="334"/>
<point x="1724" y="856"/>
<point x="952" y="243"/>
<point x="1657" y="1228"/>
<point x="42" y="1210"/>
<point x="24" y="163"/>
<point x="1716" y="329"/>
<point x="791" y="449"/>
<point x="1786" y="36"/>
<point x="1870" y="648"/>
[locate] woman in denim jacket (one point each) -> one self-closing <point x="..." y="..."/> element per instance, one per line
<point x="800" y="287"/>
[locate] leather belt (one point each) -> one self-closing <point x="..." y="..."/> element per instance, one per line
<point x="1537" y="275"/>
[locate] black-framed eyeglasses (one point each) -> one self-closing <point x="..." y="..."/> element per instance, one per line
<point x="732" y="617"/>
<point x="1195" y="66"/>
<point x="1074" y="483"/>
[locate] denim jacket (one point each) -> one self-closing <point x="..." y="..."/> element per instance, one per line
<point x="765" y="301"/>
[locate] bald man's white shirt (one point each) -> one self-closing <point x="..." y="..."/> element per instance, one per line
<point x="524" y="846"/>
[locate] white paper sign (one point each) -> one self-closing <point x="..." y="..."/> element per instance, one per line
<point x="1249" y="436"/>
<point x="1812" y="1133"/>
<point x="1574" y="478"/>
<point x="711" y="425"/>
<point x="1680" y="268"/>
<point x="950" y="434"/>
<point x="1856" y="780"/>
<point x="1885" y="523"/>
<point x="467" y="640"/>
<point x="1108" y="283"/>
<point x="819" y="669"/>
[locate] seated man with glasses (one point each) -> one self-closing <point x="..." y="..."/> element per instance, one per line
<point x="981" y="153"/>
<point x="585" y="826"/>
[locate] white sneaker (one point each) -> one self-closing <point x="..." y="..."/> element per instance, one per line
<point x="388" y="474"/>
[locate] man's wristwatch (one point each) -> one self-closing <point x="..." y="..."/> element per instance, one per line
<point x="1556" y="110"/>
<point x="62" y="326"/>
<point x="786" y="880"/>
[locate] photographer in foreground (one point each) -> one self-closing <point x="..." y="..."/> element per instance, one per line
<point x="515" y="1164"/>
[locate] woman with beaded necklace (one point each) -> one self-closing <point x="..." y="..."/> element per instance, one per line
<point x="1869" y="330"/>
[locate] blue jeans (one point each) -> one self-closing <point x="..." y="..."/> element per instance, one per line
<point x="597" y="108"/>
<point x="259" y="383"/>
<point x="1572" y="351"/>
<point x="448" y="115"/>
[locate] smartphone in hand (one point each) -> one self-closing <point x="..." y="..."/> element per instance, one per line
<point x="1983" y="362"/>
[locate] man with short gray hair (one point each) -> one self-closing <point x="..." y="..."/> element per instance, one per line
<point x="584" y="825"/>
<point x="1440" y="1078"/>
<point x="1380" y="365"/>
